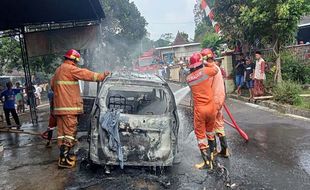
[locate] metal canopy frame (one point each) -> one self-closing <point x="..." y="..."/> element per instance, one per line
<point x="20" y="29"/>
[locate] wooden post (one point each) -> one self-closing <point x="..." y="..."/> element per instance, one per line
<point x="227" y="65"/>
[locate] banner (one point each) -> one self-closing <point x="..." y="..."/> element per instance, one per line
<point x="61" y="40"/>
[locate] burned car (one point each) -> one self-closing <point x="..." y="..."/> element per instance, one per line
<point x="147" y="123"/>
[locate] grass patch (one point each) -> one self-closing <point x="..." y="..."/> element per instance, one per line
<point x="305" y="91"/>
<point x="305" y="104"/>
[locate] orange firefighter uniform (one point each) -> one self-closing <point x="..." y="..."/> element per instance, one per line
<point x="218" y="88"/>
<point x="204" y="111"/>
<point x="68" y="103"/>
<point x="219" y="99"/>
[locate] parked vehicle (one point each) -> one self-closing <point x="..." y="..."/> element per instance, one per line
<point x="148" y="124"/>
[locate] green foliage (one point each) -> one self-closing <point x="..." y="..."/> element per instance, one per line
<point x="10" y="55"/>
<point x="294" y="69"/>
<point x="185" y="36"/>
<point x="45" y="64"/>
<point x="227" y="14"/>
<point x="272" y="20"/>
<point x="306" y="103"/>
<point x="161" y="43"/>
<point x="202" y="30"/>
<point x="287" y="92"/>
<point x="167" y="37"/>
<point x="211" y="40"/>
<point x="164" y="40"/>
<point x="123" y="29"/>
<point x="203" y="24"/>
<point x="250" y="20"/>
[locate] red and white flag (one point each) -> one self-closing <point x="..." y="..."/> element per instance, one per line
<point x="204" y="6"/>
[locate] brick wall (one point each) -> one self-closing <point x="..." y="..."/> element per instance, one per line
<point x="302" y="51"/>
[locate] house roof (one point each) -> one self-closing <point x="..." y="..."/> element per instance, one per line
<point x="179" y="39"/>
<point x="178" y="46"/>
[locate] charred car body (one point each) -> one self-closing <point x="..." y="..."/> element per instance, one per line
<point x="147" y="127"/>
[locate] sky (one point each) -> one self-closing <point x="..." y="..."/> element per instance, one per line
<point x="167" y="16"/>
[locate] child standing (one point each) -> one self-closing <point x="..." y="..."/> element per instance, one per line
<point x="20" y="99"/>
<point x="248" y="76"/>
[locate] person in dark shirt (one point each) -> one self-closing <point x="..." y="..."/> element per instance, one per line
<point x="239" y="69"/>
<point x="9" y="104"/>
<point x="248" y="76"/>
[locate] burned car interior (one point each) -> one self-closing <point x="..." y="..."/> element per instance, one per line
<point x="147" y="126"/>
<point x="137" y="100"/>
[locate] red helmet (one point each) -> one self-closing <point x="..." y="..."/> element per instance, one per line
<point x="207" y="53"/>
<point x="195" y="61"/>
<point x="73" y="54"/>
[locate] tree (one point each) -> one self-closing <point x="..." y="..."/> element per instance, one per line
<point x="201" y="31"/>
<point x="202" y="24"/>
<point x="164" y="40"/>
<point x="185" y="36"/>
<point x="161" y="43"/>
<point x="122" y="31"/>
<point x="227" y="14"/>
<point x="45" y="64"/>
<point x="273" y="22"/>
<point x="10" y="55"/>
<point x="167" y="37"/>
<point x="212" y="40"/>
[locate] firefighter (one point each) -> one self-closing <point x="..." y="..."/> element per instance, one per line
<point x="52" y="122"/>
<point x="68" y="103"/>
<point x="218" y="88"/>
<point x="199" y="81"/>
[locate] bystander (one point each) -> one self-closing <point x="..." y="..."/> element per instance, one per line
<point x="9" y="104"/>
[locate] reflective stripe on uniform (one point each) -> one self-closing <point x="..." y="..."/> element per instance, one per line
<point x="96" y="76"/>
<point x="219" y="130"/>
<point x="202" y="141"/>
<point x="66" y="137"/>
<point x="195" y="82"/>
<point x="61" y="137"/>
<point x="67" y="109"/>
<point x="65" y="82"/>
<point x="210" y="133"/>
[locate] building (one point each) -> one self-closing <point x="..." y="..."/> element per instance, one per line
<point x="179" y="51"/>
<point x="303" y="32"/>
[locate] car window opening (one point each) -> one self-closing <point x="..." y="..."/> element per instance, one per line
<point x="138" y="100"/>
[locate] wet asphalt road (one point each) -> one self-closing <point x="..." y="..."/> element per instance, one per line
<point x="276" y="157"/>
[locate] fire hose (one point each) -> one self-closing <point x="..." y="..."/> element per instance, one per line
<point x="234" y="123"/>
<point x="19" y="131"/>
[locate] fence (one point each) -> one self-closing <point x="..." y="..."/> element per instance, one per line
<point x="301" y="51"/>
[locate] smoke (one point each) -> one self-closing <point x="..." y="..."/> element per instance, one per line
<point x="114" y="53"/>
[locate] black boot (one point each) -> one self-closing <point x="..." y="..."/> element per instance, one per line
<point x="215" y="148"/>
<point x="71" y="156"/>
<point x="49" y="138"/>
<point x="224" y="148"/>
<point x="64" y="161"/>
<point x="207" y="155"/>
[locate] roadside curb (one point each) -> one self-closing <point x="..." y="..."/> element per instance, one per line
<point x="285" y="109"/>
